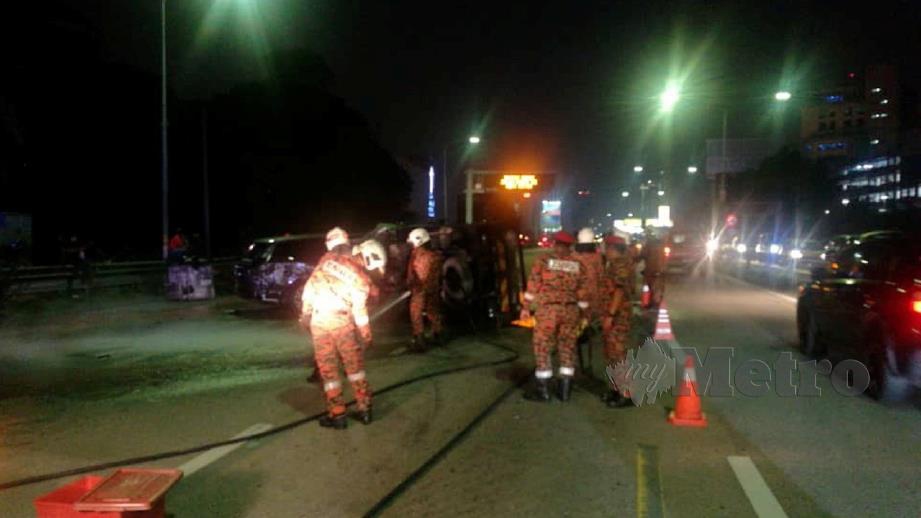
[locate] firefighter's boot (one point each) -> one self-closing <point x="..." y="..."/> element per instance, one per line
<point x="364" y="416"/>
<point x="418" y="344"/>
<point x="614" y="399"/>
<point x="564" y="388"/>
<point x="539" y="391"/>
<point x="336" y="422"/>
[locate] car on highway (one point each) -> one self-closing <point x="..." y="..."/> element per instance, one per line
<point x="685" y="251"/>
<point x="274" y="269"/>
<point x="865" y="304"/>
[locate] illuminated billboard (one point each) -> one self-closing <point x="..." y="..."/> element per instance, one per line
<point x="550" y="216"/>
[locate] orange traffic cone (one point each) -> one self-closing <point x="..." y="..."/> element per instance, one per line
<point x="687" y="410"/>
<point x="663" y="325"/>
<point x="644" y="299"/>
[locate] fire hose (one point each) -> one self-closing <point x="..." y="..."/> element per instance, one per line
<point x="511" y="357"/>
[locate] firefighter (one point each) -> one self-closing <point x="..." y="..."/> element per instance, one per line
<point x="335" y="310"/>
<point x="423" y="278"/>
<point x="369" y="255"/>
<point x="557" y="286"/>
<point x="653" y="257"/>
<point x="587" y="252"/>
<point x="616" y="309"/>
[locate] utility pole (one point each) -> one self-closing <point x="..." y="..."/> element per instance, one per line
<point x="164" y="185"/>
<point x="206" y="194"/>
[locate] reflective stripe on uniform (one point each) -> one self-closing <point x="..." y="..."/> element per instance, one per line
<point x="567" y="371"/>
<point x="358" y="376"/>
<point x="362" y="320"/>
<point x="543" y="375"/>
<point x="583" y="304"/>
<point x="332" y="385"/>
<point x="529" y="297"/>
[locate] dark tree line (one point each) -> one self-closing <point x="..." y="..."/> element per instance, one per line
<point x="80" y="141"/>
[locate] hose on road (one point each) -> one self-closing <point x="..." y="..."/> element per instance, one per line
<point x="511" y="357"/>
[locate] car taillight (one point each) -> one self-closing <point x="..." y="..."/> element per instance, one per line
<point x="916" y="306"/>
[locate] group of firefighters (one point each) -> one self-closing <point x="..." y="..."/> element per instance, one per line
<point x="575" y="289"/>
<point x="570" y="290"/>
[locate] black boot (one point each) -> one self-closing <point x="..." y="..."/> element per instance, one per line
<point x="418" y="344"/>
<point x="364" y="416"/>
<point x="337" y="422"/>
<point x="564" y="388"/>
<point x="539" y="391"/>
<point x="615" y="399"/>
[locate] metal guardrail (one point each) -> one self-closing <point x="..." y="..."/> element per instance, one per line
<point x="45" y="279"/>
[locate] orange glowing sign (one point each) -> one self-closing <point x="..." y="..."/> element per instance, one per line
<point x="519" y="182"/>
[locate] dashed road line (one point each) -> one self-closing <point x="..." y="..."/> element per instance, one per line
<point x="214" y="454"/>
<point x="756" y="489"/>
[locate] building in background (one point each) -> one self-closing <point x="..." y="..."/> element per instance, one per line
<point x="865" y="131"/>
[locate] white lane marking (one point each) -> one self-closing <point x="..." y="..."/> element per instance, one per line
<point x="216" y="453"/>
<point x="756" y="489"/>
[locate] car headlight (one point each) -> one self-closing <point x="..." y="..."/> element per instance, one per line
<point x="741" y="249"/>
<point x="796" y="254"/>
<point x="776" y="249"/>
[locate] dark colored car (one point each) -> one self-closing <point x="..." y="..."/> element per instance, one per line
<point x="865" y="304"/>
<point x="274" y="269"/>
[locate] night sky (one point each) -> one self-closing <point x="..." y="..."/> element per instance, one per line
<point x="569" y="87"/>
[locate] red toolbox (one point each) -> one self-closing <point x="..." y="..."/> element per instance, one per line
<point x="127" y="493"/>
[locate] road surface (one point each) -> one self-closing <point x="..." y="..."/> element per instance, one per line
<point x="148" y="377"/>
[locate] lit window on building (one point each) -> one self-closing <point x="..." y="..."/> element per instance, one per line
<point x="883" y="115"/>
<point x="884" y="101"/>
<point x="876" y="90"/>
<point x="874" y="142"/>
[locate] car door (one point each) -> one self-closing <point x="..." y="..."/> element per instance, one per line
<point x="858" y="297"/>
<point x="832" y="297"/>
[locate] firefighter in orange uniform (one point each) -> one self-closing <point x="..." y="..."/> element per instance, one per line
<point x="424" y="281"/>
<point x="557" y="285"/>
<point x="335" y="309"/>
<point x="587" y="252"/>
<point x="616" y="309"/>
<point x="653" y="257"/>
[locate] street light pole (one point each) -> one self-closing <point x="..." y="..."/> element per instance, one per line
<point x="444" y="183"/>
<point x="164" y="186"/>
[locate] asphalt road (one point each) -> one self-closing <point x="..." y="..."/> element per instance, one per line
<point x="87" y="387"/>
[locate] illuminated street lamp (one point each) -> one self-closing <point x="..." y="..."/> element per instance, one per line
<point x="637" y="169"/>
<point x="661" y="193"/>
<point x="625" y="194"/>
<point x="845" y="202"/>
<point x="783" y="96"/>
<point x="474" y="139"/>
<point x="669" y="98"/>
<point x="692" y="169"/>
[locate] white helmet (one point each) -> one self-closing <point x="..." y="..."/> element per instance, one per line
<point x="336" y="237"/>
<point x="586" y="236"/>
<point x="418" y="237"/>
<point x="373" y="254"/>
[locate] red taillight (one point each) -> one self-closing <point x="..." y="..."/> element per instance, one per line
<point x="668" y="251"/>
<point x="916" y="306"/>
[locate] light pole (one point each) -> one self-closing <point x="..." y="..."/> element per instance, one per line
<point x="164" y="173"/>
<point x="472" y="140"/>
<point x="718" y="191"/>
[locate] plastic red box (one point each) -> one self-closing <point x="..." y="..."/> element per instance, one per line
<point x="127" y="493"/>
